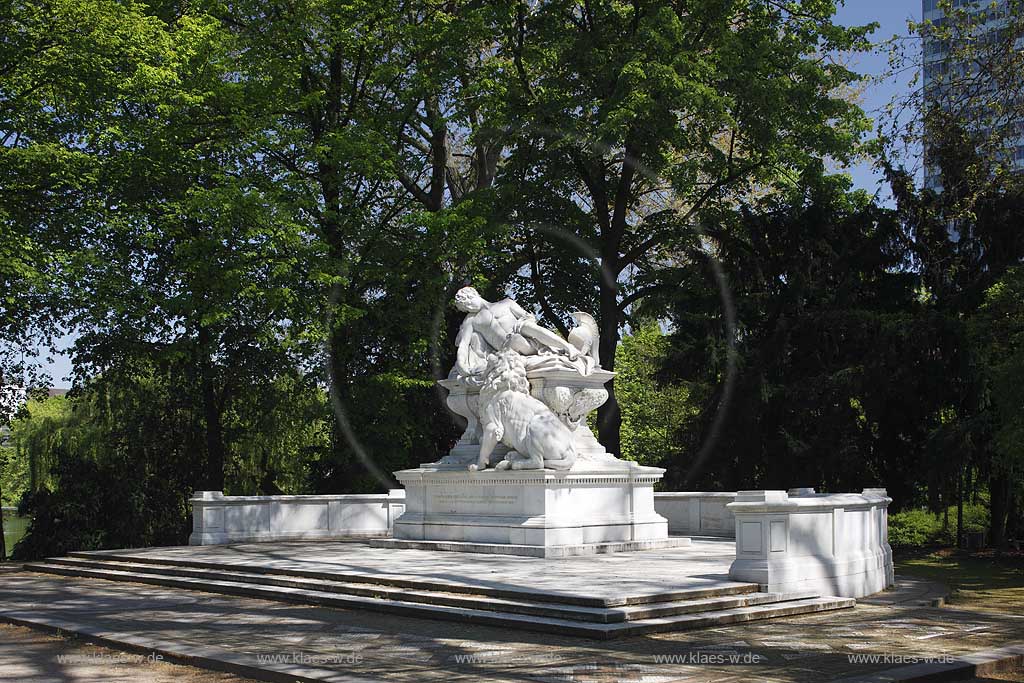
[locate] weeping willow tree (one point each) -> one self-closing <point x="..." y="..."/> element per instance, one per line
<point x="42" y="428"/>
<point x="115" y="463"/>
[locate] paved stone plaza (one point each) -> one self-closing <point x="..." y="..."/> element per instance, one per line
<point x="605" y="577"/>
<point x="275" y="641"/>
<point x="612" y="596"/>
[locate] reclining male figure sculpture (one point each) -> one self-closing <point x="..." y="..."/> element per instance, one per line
<point x="491" y="326"/>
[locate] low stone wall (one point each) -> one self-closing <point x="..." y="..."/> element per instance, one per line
<point x="697" y="513"/>
<point x="218" y="519"/>
<point x="836" y="544"/>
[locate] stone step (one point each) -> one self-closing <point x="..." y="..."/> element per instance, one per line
<point x="684" y="622"/>
<point x="666" y="609"/>
<point x="530" y="622"/>
<point x="431" y="597"/>
<point x="717" y="589"/>
<point x="482" y="602"/>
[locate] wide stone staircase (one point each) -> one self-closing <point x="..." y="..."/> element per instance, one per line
<point x="566" y="614"/>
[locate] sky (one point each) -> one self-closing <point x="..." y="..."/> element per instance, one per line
<point x="891" y="15"/>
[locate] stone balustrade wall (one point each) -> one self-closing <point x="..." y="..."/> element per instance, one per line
<point x="218" y="519"/>
<point x="697" y="513"/>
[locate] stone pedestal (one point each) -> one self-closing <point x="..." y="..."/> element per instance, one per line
<point x="542" y="513"/>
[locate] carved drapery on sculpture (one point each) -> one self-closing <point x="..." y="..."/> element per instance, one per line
<point x="524" y="391"/>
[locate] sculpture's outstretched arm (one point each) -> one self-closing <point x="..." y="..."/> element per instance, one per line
<point x="548" y="338"/>
<point x="528" y="327"/>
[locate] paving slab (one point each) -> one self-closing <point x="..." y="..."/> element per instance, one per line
<point x="30" y="656"/>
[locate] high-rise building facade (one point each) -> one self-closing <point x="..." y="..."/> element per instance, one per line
<point x="962" y="87"/>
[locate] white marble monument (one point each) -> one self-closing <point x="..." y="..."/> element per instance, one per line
<point x="528" y="476"/>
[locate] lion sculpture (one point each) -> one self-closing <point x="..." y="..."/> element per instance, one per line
<point x="535" y="435"/>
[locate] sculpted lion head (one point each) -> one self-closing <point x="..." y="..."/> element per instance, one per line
<point x="505" y="372"/>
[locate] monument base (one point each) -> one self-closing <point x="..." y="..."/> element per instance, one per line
<point x="527" y="512"/>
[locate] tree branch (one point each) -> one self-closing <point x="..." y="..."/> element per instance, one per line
<point x="622" y="195"/>
<point x="439" y="153"/>
<point x="540" y="291"/>
<point x="415" y="190"/>
<point x="596" y="189"/>
<point x="631" y="256"/>
<point x="638" y="294"/>
<point x="517" y="57"/>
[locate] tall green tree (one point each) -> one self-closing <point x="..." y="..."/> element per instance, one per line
<point x="632" y="120"/>
<point x="164" y="248"/>
<point x="962" y="227"/>
<point x="64" y="66"/>
<point x="371" y="138"/>
<point x="999" y="331"/>
<point x="825" y="374"/>
<point x="964" y="239"/>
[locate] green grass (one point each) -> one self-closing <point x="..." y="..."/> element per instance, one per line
<point x="983" y="579"/>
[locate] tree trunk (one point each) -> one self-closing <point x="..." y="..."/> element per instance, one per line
<point x="214" y="476"/>
<point x="3" y="539"/>
<point x="999" y="487"/>
<point x="960" y="507"/>
<point x="1012" y="519"/>
<point x="609" y="417"/>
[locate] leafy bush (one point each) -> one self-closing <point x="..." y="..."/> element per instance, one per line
<point x="653" y="413"/>
<point x="396" y="422"/>
<point x="113" y="467"/>
<point x="913" y="528"/>
<point x="916" y="528"/>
